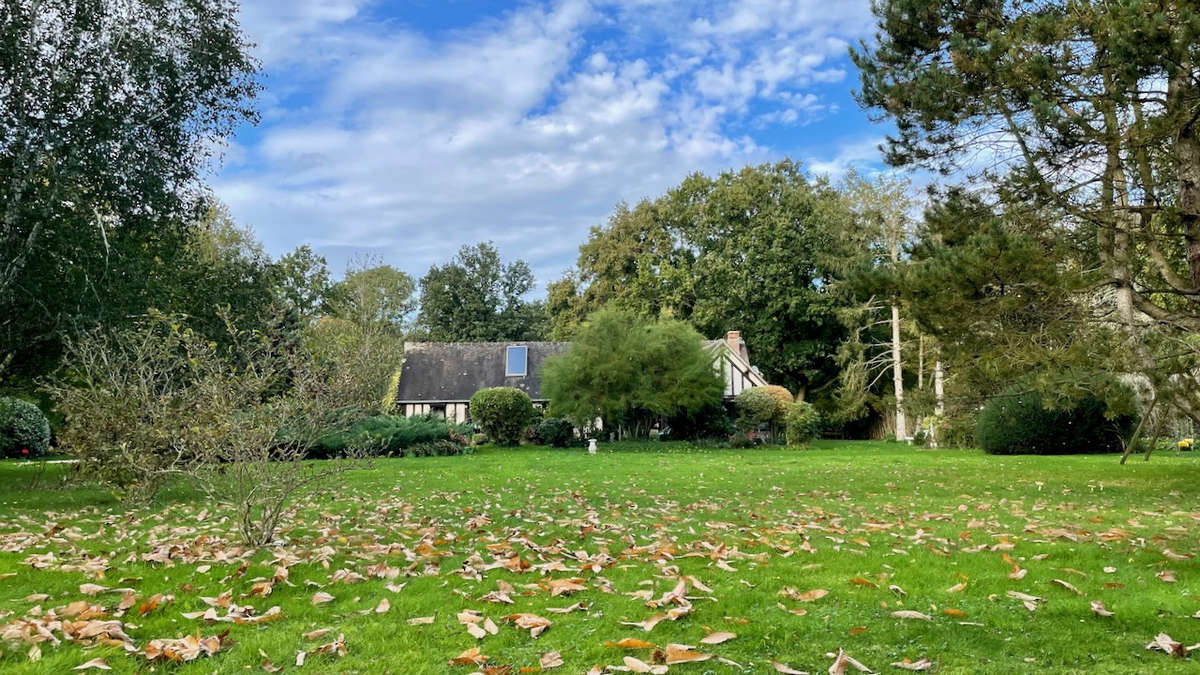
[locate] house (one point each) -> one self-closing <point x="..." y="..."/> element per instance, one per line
<point x="439" y="378"/>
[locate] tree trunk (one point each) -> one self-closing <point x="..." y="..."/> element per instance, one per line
<point x="938" y="388"/>
<point x="898" y="376"/>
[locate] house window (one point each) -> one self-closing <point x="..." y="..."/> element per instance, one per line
<point x="516" y="362"/>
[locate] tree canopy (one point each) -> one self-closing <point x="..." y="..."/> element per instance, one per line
<point x="627" y="372"/>
<point x="478" y="298"/>
<point x="751" y="250"/>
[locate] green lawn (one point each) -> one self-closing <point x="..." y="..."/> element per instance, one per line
<point x="848" y="518"/>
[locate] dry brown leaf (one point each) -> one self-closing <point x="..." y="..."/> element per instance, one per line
<point x="859" y="581"/>
<point x="317" y="634"/>
<point x="321" y="597"/>
<point x="98" y="664"/>
<point x="421" y="621"/>
<point x="550" y="660"/>
<point x="786" y="669"/>
<point x="717" y="638"/>
<point x="1099" y="608"/>
<point x="1164" y="643"/>
<point x="910" y="614"/>
<point x="857" y="630"/>
<point x="954" y="612"/>
<point x="1167" y="576"/>
<point x="383" y="606"/>
<point x="843" y="661"/>
<point x="472" y="656"/>
<point x="683" y="654"/>
<point x="639" y="666"/>
<point x="1067" y="586"/>
<point x="923" y="664"/>
<point x="630" y="643"/>
<point x="957" y="588"/>
<point x="535" y="624"/>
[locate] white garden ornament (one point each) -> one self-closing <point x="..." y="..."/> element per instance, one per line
<point x="591" y="446"/>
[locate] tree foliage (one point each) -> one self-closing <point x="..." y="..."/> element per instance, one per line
<point x="1081" y="115"/>
<point x="109" y="114"/>
<point x="751" y="250"/>
<point x="477" y="298"/>
<point x="628" y="372"/>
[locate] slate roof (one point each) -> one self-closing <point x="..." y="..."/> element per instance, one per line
<point x="453" y="371"/>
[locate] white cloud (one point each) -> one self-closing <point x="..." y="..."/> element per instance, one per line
<point x="525" y="129"/>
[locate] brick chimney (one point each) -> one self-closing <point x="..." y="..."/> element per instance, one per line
<point x="736" y="345"/>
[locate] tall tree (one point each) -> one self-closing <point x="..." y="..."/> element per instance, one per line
<point x="109" y="113"/>
<point x="882" y="228"/>
<point x="476" y="297"/>
<point x="302" y="282"/>
<point x="373" y="293"/>
<point x="1087" y="110"/>
<point x="751" y="250"/>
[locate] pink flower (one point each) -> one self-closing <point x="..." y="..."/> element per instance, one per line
<point x="24" y="451"/>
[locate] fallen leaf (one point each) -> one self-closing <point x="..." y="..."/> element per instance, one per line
<point x="383" y="606"/>
<point x="842" y="661"/>
<point x="786" y="669"/>
<point x="321" y="597"/>
<point x="421" y="621"/>
<point x="859" y="581"/>
<point x="98" y="664"/>
<point x="550" y="660"/>
<point x="1167" y="576"/>
<point x="1067" y="586"/>
<point x="717" y="638"/>
<point x="923" y="664"/>
<point x="1099" y="608"/>
<point x="910" y="614"/>
<point x="630" y="643"/>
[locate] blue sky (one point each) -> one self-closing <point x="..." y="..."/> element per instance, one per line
<point x="402" y="130"/>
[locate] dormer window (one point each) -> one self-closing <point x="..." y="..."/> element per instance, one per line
<point x="516" y="362"/>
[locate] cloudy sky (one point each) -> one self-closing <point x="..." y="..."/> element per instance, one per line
<point x="405" y="129"/>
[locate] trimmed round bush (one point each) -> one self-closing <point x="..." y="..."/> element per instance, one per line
<point x="24" y="429"/>
<point x="755" y="406"/>
<point x="502" y="413"/>
<point x="1017" y="421"/>
<point x="803" y="423"/>
<point x="556" y="431"/>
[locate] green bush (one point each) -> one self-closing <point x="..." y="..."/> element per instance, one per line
<point x="755" y="407"/>
<point x="803" y="423"/>
<point x="24" y="429"/>
<point x="555" y="431"/>
<point x="443" y="447"/>
<point x="502" y="413"/>
<point x="711" y="421"/>
<point x="389" y="435"/>
<point x="1017" y="421"/>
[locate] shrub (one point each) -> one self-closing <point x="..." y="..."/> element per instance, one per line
<point x="803" y="423"/>
<point x="502" y="413"/>
<point x="755" y="407"/>
<point x="956" y="431"/>
<point x="24" y="429"/>
<point x="742" y="440"/>
<point x="556" y="431"/>
<point x="1017" y="421"/>
<point x="711" y="421"/>
<point x="443" y="447"/>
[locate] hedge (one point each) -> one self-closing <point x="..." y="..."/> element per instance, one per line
<point x="1017" y="421"/>
<point x="502" y="413"/>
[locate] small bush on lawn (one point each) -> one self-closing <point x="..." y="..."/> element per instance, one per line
<point x="742" y="440"/>
<point x="755" y="407"/>
<point x="1017" y="421"/>
<point x="803" y="423"/>
<point x="24" y="429"/>
<point x="502" y="413"/>
<point x="556" y="431"/>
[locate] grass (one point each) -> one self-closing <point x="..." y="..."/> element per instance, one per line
<point x="882" y="514"/>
